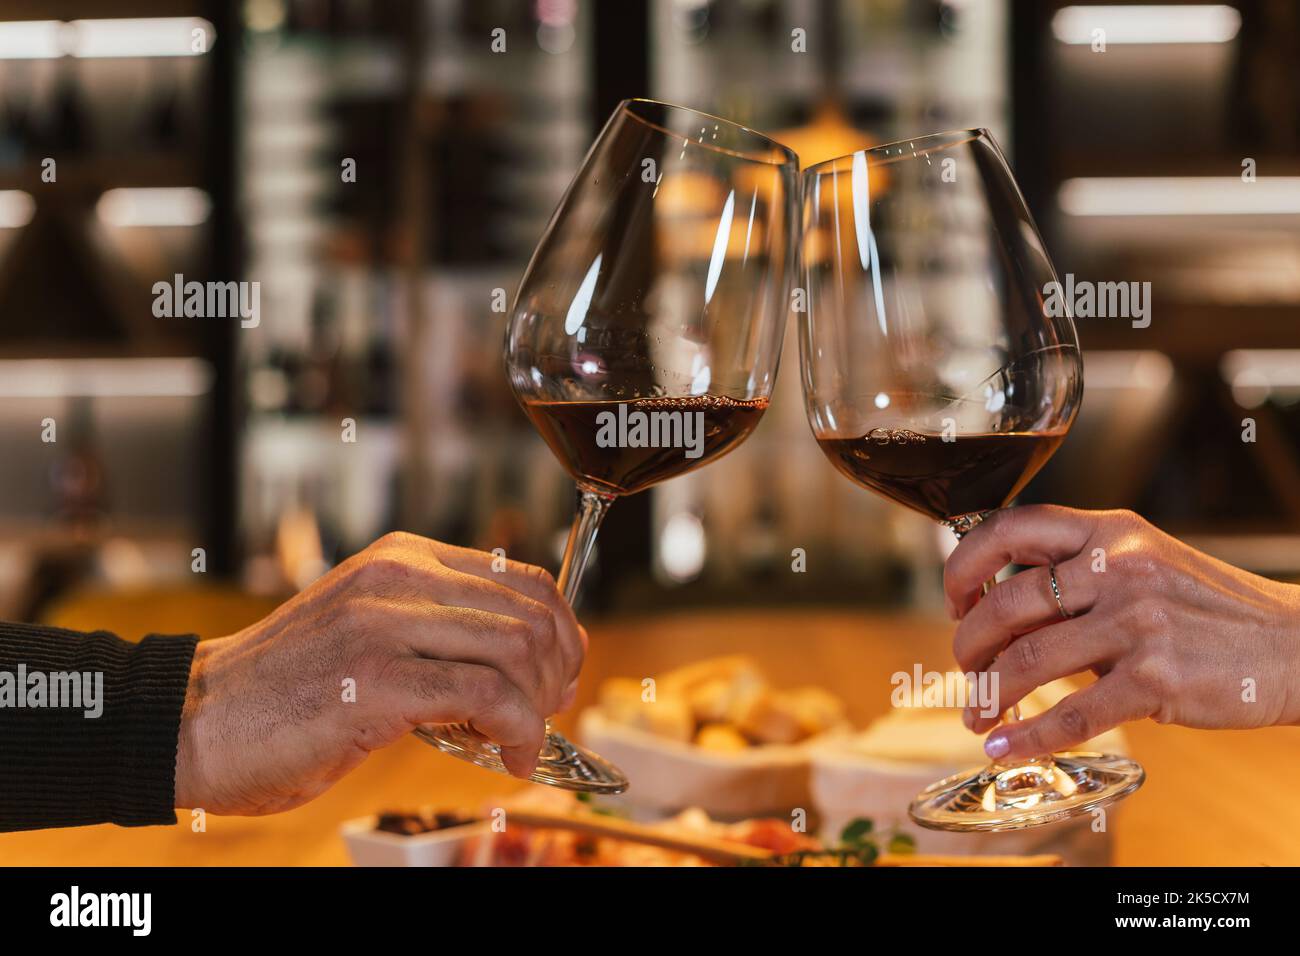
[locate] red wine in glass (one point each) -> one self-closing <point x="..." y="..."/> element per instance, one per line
<point x="944" y="477"/>
<point x="653" y="438"/>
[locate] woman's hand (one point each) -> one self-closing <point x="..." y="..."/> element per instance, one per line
<point x="1172" y="633"/>
<point x="409" y="631"/>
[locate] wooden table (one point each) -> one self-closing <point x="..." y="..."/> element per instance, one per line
<point x="1211" y="798"/>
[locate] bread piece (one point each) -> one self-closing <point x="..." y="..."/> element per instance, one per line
<point x="683" y="681"/>
<point x="668" y="716"/>
<point x="620" y="699"/>
<point x="713" y="700"/>
<point x="817" y="710"/>
<point x="769" y="718"/>
<point x="723" y="737"/>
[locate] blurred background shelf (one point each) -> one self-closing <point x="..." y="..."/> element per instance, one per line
<point x="382" y="295"/>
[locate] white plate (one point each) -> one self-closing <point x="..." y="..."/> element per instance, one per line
<point x="871" y="775"/>
<point x="371" y="847"/>
<point x="667" y="776"/>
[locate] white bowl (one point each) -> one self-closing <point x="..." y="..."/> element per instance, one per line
<point x="667" y="776"/>
<point x="371" y="847"/>
<point x="871" y="775"/>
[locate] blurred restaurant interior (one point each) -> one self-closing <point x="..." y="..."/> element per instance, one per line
<point x="381" y="294"/>
<point x="378" y="294"/>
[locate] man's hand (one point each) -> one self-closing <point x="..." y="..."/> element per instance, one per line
<point x="428" y="632"/>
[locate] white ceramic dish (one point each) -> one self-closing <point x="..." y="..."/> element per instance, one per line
<point x="370" y="847"/>
<point x="879" y="772"/>
<point x="668" y="776"/>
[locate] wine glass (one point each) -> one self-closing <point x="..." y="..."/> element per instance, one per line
<point x="645" y="336"/>
<point x="934" y="375"/>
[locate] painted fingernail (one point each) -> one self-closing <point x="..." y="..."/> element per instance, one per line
<point x="997" y="746"/>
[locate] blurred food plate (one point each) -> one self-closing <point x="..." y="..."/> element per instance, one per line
<point x="370" y="846"/>
<point x="714" y="734"/>
<point x="879" y="771"/>
<point x="669" y="775"/>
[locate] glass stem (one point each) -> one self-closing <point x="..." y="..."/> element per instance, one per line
<point x="577" y="552"/>
<point x="592" y="507"/>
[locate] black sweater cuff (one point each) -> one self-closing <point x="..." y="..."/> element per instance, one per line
<point x="60" y="767"/>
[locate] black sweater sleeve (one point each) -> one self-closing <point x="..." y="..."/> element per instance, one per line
<point x="62" y="767"/>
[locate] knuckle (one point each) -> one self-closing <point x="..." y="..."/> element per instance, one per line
<point x="1137" y="568"/>
<point x="1154" y="622"/>
<point x="1148" y="619"/>
<point x="1153" y="675"/>
<point x="1124" y="518"/>
<point x="485" y="690"/>
<point x="379" y="570"/>
<point x="1143" y="568"/>
<point x="1074" y="723"/>
<point x="541" y="577"/>
<point x="1002" y="600"/>
<point x="517" y="640"/>
<point x="544" y="627"/>
<point x="1025" y="655"/>
<point x="394" y="539"/>
<point x="1000" y="523"/>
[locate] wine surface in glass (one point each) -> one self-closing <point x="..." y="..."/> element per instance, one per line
<point x="944" y="480"/>
<point x="631" y="463"/>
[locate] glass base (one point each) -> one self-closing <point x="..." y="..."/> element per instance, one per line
<point x="1029" y="794"/>
<point x="560" y="764"/>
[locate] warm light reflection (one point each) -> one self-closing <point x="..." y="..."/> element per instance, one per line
<point x="154" y="206"/>
<point x="1063" y="782"/>
<point x="1201" y="23"/>
<point x="104" y="377"/>
<point x="16" y="208"/>
<point x="682" y="547"/>
<point x="1180" y="196"/>
<point x="1254" y="375"/>
<point x="117" y="37"/>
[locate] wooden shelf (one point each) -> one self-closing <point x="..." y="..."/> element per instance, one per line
<point x="1199" y="332"/>
<point x="1102" y="164"/>
<point x="93" y="9"/>
<point x="105" y="172"/>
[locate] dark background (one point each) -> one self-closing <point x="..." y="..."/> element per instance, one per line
<point x="376" y="295"/>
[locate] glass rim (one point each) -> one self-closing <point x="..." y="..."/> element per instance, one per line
<point x="772" y="146"/>
<point x="916" y="146"/>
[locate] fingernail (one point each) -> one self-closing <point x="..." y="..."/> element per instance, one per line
<point x="997" y="746"/>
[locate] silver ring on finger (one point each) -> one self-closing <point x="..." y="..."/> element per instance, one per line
<point x="1056" y="591"/>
